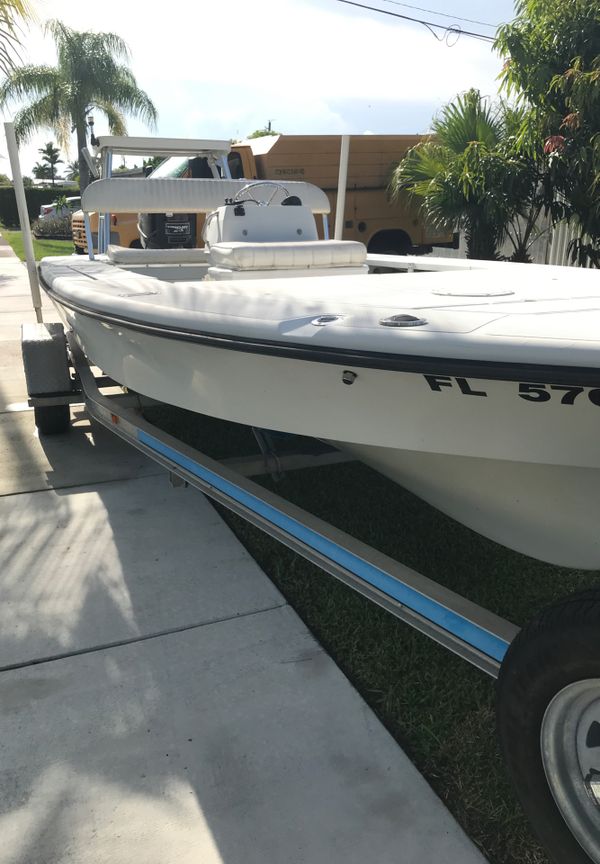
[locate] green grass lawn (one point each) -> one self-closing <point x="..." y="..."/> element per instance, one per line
<point x="438" y="707"/>
<point x="42" y="248"/>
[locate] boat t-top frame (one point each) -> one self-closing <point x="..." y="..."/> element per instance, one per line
<point x="100" y="161"/>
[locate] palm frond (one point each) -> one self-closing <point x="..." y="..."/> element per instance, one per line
<point x="74" y="45"/>
<point x="62" y="130"/>
<point x="420" y="165"/>
<point x="39" y="115"/>
<point x="116" y="120"/>
<point x="468" y="118"/>
<point x="128" y="97"/>
<point x="13" y="15"/>
<point x="28" y="81"/>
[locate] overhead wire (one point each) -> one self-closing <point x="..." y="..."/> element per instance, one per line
<point x="431" y="25"/>
<point x="443" y="14"/>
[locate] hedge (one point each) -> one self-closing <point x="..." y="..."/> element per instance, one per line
<point x="35" y="197"/>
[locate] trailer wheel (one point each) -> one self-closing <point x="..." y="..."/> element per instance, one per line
<point x="52" y="419"/>
<point x="548" y="714"/>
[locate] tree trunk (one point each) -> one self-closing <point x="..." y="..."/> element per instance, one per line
<point x="521" y="255"/>
<point x="84" y="171"/>
<point x="480" y="240"/>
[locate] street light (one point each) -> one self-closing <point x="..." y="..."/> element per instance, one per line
<point x="90" y="122"/>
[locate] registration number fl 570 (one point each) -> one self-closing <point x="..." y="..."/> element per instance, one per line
<point x="563" y="393"/>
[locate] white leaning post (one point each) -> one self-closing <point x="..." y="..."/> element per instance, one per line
<point x="13" y="155"/>
<point x="340" y="204"/>
<point x="88" y="235"/>
<point x="104" y="218"/>
<point x="225" y="167"/>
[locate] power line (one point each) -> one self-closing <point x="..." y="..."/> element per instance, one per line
<point x="443" y="14"/>
<point x="429" y="24"/>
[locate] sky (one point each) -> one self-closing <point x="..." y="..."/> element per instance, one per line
<point x="308" y="66"/>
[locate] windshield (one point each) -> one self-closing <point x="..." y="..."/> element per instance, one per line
<point x="174" y="166"/>
<point x="184" y="166"/>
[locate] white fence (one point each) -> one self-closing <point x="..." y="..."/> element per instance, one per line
<point x="558" y="252"/>
<point x="550" y="247"/>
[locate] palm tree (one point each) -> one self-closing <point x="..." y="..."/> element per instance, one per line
<point x="72" y="170"/>
<point x="88" y="76"/>
<point x="41" y="171"/>
<point x="51" y="156"/>
<point x="469" y="177"/>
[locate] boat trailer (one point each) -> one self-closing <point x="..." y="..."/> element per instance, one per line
<point x="477" y="635"/>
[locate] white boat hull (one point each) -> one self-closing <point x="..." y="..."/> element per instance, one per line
<point x="520" y="468"/>
<point x="546" y="511"/>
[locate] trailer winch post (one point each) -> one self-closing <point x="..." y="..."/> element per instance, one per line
<point x="13" y="155"/>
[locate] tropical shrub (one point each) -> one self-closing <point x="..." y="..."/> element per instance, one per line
<point x="53" y="227"/>
<point x="470" y="177"/>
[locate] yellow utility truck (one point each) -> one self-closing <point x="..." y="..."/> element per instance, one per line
<point x="383" y="225"/>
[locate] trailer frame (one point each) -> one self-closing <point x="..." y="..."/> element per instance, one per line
<point x="465" y="628"/>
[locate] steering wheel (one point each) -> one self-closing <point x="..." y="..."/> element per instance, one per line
<point x="248" y="192"/>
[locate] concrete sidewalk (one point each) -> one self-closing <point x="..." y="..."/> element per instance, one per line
<point x="159" y="700"/>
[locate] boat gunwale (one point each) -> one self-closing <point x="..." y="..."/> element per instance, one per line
<point x="491" y="370"/>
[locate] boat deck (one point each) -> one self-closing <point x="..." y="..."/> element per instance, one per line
<point x="542" y="315"/>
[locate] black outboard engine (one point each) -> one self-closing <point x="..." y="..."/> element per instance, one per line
<point x="162" y="231"/>
<point x="177" y="230"/>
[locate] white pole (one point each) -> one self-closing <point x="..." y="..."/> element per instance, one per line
<point x="341" y="190"/>
<point x="104" y="218"/>
<point x="13" y="155"/>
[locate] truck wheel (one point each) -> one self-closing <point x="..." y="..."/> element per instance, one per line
<point x="52" y="419"/>
<point x="389" y="243"/>
<point x="548" y="715"/>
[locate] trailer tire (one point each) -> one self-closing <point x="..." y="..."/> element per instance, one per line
<point x="52" y="419"/>
<point x="548" y="718"/>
